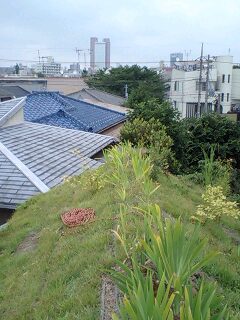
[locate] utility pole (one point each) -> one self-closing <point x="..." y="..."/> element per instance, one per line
<point x="219" y="104"/>
<point x="38" y="56"/>
<point x="126" y="91"/>
<point x="207" y="86"/>
<point x="78" y="54"/>
<point x="200" y="84"/>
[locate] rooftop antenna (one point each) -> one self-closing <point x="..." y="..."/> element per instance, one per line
<point x="200" y="84"/>
<point x="187" y="54"/>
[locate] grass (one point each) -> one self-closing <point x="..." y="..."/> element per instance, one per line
<point x="61" y="277"/>
<point x="179" y="196"/>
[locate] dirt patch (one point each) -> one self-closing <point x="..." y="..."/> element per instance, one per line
<point x="109" y="298"/>
<point x="29" y="243"/>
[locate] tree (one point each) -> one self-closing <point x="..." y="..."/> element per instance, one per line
<point x="153" y="108"/>
<point x="153" y="136"/>
<point x="17" y="68"/>
<point x="208" y="130"/>
<point x="143" y="83"/>
<point x="84" y="73"/>
<point x="167" y="116"/>
<point x="40" y="75"/>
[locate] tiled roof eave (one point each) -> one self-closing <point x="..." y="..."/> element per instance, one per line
<point x="111" y="126"/>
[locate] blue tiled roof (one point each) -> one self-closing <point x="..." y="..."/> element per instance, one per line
<point x="58" y="110"/>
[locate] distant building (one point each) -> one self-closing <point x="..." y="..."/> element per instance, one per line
<point x="11" y="92"/>
<point x="6" y="71"/>
<point x="65" y="85"/>
<point x="101" y="98"/>
<point x="99" y="54"/>
<point x="223" y="87"/>
<point x="48" y="67"/>
<point x="175" y="57"/>
<point x="28" y="84"/>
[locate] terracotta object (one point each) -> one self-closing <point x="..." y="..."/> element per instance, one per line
<point x="78" y="216"/>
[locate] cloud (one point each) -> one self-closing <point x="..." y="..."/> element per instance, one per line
<point x="139" y="30"/>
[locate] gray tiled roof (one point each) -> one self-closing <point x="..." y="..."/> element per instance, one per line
<point x="14" y="186"/>
<point x="49" y="152"/>
<point x="99" y="95"/>
<point x="14" y="91"/>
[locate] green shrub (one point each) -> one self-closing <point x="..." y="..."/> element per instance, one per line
<point x="216" y="172"/>
<point x="201" y="133"/>
<point x="151" y="135"/>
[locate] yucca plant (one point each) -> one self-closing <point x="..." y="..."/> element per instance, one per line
<point x="143" y="299"/>
<point x="173" y="251"/>
<point x="117" y="160"/>
<point x="200" y="305"/>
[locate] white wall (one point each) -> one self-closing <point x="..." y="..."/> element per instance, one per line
<point x="224" y="66"/>
<point x="188" y="92"/>
<point x="236" y="86"/>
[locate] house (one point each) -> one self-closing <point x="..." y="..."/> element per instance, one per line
<point x="99" y="97"/>
<point x="65" y="85"/>
<point x="11" y="92"/>
<point x="27" y="83"/>
<point x="36" y="157"/>
<point x="222" y="93"/>
<point x="54" y="109"/>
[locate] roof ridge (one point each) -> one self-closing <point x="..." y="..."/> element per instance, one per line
<point x="97" y="106"/>
<point x="91" y="94"/>
<point x="13" y="110"/>
<point x="69" y="115"/>
<point x="24" y="169"/>
<point x="112" y="94"/>
<point x="88" y="128"/>
<point x="61" y="99"/>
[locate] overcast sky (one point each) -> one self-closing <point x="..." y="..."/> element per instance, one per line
<point x="139" y="30"/>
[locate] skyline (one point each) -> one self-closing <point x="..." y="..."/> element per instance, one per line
<point x="139" y="31"/>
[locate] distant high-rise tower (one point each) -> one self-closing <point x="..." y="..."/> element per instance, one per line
<point x="174" y="57"/>
<point x="99" y="54"/>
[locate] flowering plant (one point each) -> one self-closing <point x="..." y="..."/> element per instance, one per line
<point x="215" y="205"/>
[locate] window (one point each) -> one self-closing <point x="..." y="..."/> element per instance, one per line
<point x="222" y="97"/>
<point x="223" y="78"/>
<point x="203" y="86"/>
<point x="175" y="104"/>
<point x="176" y="85"/>
<point x="227" y="97"/>
<point x="229" y="78"/>
<point x="191" y="110"/>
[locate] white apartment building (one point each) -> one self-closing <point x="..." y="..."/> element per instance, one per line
<point x="223" y="86"/>
<point x="48" y="67"/>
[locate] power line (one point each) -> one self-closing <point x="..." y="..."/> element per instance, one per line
<point x="117" y="62"/>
